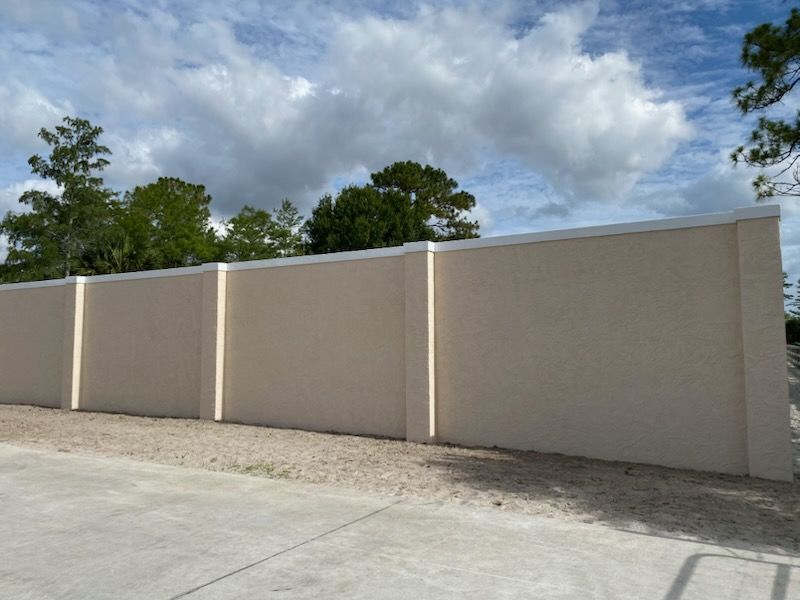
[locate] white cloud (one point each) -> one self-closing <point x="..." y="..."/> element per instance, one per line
<point x="448" y="83"/>
<point x="484" y="218"/>
<point x="722" y="187"/>
<point x="24" y="110"/>
<point x="181" y="94"/>
<point x="9" y="195"/>
<point x="548" y="115"/>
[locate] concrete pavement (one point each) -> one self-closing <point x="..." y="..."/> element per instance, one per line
<point x="83" y="527"/>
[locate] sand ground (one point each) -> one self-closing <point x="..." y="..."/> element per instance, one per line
<point x="700" y="506"/>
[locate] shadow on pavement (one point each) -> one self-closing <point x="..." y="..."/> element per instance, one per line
<point x="711" y="507"/>
<point x="780" y="582"/>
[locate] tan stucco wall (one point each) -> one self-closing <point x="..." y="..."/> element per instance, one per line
<point x="764" y="349"/>
<point x="317" y="346"/>
<point x="141" y="346"/>
<point x="31" y="350"/>
<point x="624" y="347"/>
<point x="658" y="342"/>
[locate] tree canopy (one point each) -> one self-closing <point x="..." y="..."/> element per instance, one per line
<point x="254" y="233"/>
<point x="362" y="217"/>
<point x="286" y="234"/>
<point x="86" y="228"/>
<point x="406" y="202"/>
<point x="248" y="236"/>
<point x="57" y="236"/>
<point x="433" y="196"/>
<point x="773" y="53"/>
<point x="169" y="222"/>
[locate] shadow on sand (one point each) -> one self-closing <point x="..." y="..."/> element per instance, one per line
<point x="734" y="510"/>
<point x="711" y="507"/>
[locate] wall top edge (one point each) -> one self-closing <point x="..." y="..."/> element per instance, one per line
<point x="704" y="220"/>
<point x="720" y="218"/>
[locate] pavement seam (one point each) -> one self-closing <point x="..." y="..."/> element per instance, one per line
<point x="284" y="551"/>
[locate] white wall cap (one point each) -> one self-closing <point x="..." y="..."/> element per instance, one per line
<point x="757" y="212"/>
<point x="218" y="266"/>
<point x="31" y="284"/>
<point x="720" y="218"/>
<point x="419" y="247"/>
<point x="176" y="272"/>
<point x="316" y="258"/>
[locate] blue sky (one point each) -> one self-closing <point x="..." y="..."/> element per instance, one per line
<point x="554" y="114"/>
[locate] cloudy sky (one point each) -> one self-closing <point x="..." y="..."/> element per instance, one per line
<point x="554" y="114"/>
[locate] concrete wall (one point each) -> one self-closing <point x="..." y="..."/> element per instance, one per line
<point x="317" y="346"/>
<point x="141" y="346"/>
<point x="659" y="342"/>
<point x="620" y="347"/>
<point x="31" y="350"/>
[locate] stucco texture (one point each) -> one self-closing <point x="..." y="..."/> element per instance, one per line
<point x="317" y="346"/>
<point x="141" y="346"/>
<point x="764" y="347"/>
<point x="624" y="347"/>
<point x="31" y="352"/>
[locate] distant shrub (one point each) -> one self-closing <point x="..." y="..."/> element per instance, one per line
<point x="792" y="329"/>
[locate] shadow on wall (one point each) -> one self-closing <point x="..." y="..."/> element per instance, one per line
<point x="715" y="508"/>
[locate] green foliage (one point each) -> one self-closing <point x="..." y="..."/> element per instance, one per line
<point x="793" y="300"/>
<point x="362" y="217"/>
<point x="792" y="329"/>
<point x="792" y="313"/>
<point x="248" y="236"/>
<point x="434" y="197"/>
<point x="405" y="202"/>
<point x="287" y="237"/>
<point x="86" y="229"/>
<point x="254" y="234"/>
<point x="165" y="224"/>
<point x="773" y="52"/>
<point x="57" y="237"/>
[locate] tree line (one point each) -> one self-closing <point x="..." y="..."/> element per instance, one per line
<point x="791" y="309"/>
<point x="87" y="228"/>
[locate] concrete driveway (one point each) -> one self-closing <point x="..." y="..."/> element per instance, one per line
<point x="82" y="527"/>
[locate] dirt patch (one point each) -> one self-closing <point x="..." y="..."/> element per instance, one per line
<point x="700" y="506"/>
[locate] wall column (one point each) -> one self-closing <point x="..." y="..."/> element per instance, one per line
<point x="212" y="368"/>
<point x="420" y="340"/>
<point x="74" y="295"/>
<point x="766" y="391"/>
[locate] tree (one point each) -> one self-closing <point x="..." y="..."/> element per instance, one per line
<point x="116" y="251"/>
<point x="791" y="315"/>
<point x="787" y="286"/>
<point x="254" y="234"/>
<point x="405" y="202"/>
<point x="57" y="237"/>
<point x="287" y="237"/>
<point x="773" y="52"/>
<point x="362" y="217"/>
<point x="248" y="236"/>
<point x="165" y="224"/>
<point x="793" y="299"/>
<point x="433" y="195"/>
